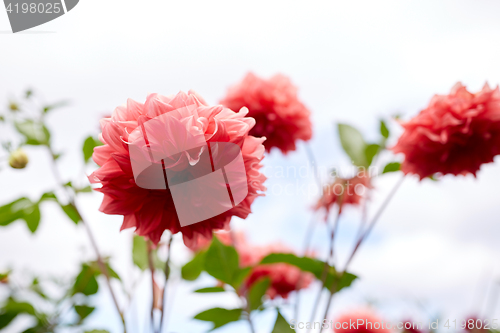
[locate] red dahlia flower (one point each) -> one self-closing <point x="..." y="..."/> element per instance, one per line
<point x="152" y="211"/>
<point x="455" y="134"/>
<point x="344" y="192"/>
<point x="279" y="115"/>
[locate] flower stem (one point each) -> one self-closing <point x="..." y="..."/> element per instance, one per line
<point x="360" y="241"/>
<point x="324" y="274"/>
<point x="152" y="269"/>
<point x="250" y="323"/>
<point x="374" y="220"/>
<point x="100" y="260"/>
<point x="167" y="274"/>
<point x="311" y="226"/>
<point x="307" y="243"/>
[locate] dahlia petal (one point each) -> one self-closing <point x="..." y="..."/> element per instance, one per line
<point x="129" y="221"/>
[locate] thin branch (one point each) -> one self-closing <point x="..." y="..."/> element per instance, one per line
<point x="311" y="226"/>
<point x="250" y="323"/>
<point x="324" y="274"/>
<point x="360" y="241"/>
<point x="90" y="235"/>
<point x="374" y="220"/>
<point x="152" y="269"/>
<point x="307" y="243"/>
<point x="167" y="274"/>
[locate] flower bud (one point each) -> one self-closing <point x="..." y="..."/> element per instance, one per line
<point x="18" y="159"/>
<point x="13" y="106"/>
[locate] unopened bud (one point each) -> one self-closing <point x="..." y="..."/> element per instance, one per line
<point x="18" y="159"/>
<point x="13" y="106"/>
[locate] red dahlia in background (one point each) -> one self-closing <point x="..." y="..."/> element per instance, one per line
<point x="455" y="134"/>
<point x="279" y="115"/>
<point x="152" y="212"/>
<point x="342" y="191"/>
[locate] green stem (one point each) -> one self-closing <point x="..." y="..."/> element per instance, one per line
<point x="362" y="238"/>
<point x="167" y="274"/>
<point x="90" y="235"/>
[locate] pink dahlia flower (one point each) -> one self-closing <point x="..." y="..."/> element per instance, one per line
<point x="279" y="115"/>
<point x="343" y="191"/>
<point x="152" y="211"/>
<point x="455" y="134"/>
<point x="366" y="322"/>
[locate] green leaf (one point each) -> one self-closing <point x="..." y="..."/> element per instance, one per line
<point x="51" y="107"/>
<point x="353" y="143"/>
<point x="222" y="262"/>
<point x="14" y="306"/>
<point x="34" y="132"/>
<point x="384" y="130"/>
<point x="370" y="151"/>
<point x="35" y="329"/>
<point x="35" y="286"/>
<point x="86" y="189"/>
<point x="86" y="282"/>
<point x="345" y="281"/>
<point x="6" y="318"/>
<point x="313" y="266"/>
<point x="392" y="167"/>
<point x="14" y="210"/>
<point x="83" y="311"/>
<point x="22" y="208"/>
<point x="33" y="218"/>
<point x="47" y="196"/>
<point x="112" y="273"/>
<point x="281" y="325"/>
<point x="257" y="292"/>
<point x="94" y="265"/>
<point x="140" y="252"/>
<point x="88" y="147"/>
<point x="240" y="276"/>
<point x="71" y="212"/>
<point x="306" y="264"/>
<point x="210" y="290"/>
<point x="219" y="316"/>
<point x="192" y="270"/>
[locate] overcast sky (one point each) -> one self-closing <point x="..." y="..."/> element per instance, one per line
<point x="352" y="61"/>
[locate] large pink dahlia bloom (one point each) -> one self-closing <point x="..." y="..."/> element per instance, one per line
<point x="280" y="115"/>
<point x="152" y="211"/>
